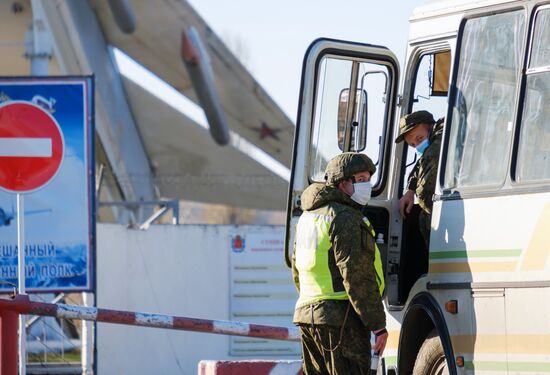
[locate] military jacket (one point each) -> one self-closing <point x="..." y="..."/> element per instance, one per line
<point x="422" y="178"/>
<point x="350" y="261"/>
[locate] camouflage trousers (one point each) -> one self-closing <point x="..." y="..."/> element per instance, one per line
<point x="352" y="353"/>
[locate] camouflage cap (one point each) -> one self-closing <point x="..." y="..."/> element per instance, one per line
<point x="408" y="122"/>
<point x="345" y="165"/>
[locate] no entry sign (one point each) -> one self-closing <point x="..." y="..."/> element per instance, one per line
<point x="31" y="147"/>
<point x="47" y="150"/>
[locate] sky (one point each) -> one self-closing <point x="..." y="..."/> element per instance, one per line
<point x="271" y="37"/>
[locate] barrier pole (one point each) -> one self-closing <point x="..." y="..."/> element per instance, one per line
<point x="23" y="305"/>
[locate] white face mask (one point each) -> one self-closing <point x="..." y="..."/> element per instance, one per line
<point x="362" y="192"/>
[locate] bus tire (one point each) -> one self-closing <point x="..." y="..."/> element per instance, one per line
<point x="431" y="357"/>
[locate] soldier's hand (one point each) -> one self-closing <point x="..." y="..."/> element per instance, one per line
<point x="381" y="339"/>
<point x="406" y="203"/>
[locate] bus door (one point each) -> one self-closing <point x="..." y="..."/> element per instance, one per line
<point x="426" y="86"/>
<point x="347" y="103"/>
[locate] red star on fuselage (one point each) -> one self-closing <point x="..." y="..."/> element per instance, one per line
<point x="267" y="132"/>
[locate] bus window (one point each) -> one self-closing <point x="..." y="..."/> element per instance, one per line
<point x="429" y="90"/>
<point x="429" y="93"/>
<point x="484" y="100"/>
<point x="534" y="145"/>
<point x="333" y="91"/>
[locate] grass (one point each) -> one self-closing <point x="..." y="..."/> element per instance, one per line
<point x="69" y="356"/>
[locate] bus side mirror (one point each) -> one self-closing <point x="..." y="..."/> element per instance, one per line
<point x="358" y="122"/>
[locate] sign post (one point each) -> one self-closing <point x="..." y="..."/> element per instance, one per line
<point x="21" y="280"/>
<point x="31" y="152"/>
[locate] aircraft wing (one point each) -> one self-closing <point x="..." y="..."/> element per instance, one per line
<point x="155" y="44"/>
<point x="187" y="163"/>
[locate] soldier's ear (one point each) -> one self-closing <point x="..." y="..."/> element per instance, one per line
<point x="344" y="182"/>
<point x="345" y="186"/>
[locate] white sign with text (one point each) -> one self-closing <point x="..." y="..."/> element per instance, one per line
<point x="261" y="290"/>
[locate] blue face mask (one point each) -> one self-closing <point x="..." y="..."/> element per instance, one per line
<point x="422" y="146"/>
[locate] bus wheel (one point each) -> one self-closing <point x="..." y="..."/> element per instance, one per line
<point x="431" y="358"/>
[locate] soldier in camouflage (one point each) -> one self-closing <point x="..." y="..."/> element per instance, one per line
<point x="421" y="131"/>
<point x="338" y="273"/>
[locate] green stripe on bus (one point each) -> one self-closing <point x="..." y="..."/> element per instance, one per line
<point x="510" y="366"/>
<point x="529" y="366"/>
<point x="457" y="254"/>
<point x="485" y="366"/>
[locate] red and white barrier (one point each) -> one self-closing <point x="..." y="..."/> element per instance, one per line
<point x="250" y="368"/>
<point x="21" y="304"/>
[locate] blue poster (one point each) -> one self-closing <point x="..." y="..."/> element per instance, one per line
<point x="59" y="217"/>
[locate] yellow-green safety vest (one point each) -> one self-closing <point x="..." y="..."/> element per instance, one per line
<point x="311" y="260"/>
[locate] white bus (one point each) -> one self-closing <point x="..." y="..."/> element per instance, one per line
<point x="478" y="300"/>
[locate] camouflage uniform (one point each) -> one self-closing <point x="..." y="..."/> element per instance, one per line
<point x="422" y="178"/>
<point x="336" y="333"/>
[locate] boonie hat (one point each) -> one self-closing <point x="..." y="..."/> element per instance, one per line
<point x="408" y="122"/>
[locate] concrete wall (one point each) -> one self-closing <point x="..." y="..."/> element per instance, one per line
<point x="176" y="270"/>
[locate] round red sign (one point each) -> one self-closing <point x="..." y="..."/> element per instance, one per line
<point x="31" y="147"/>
